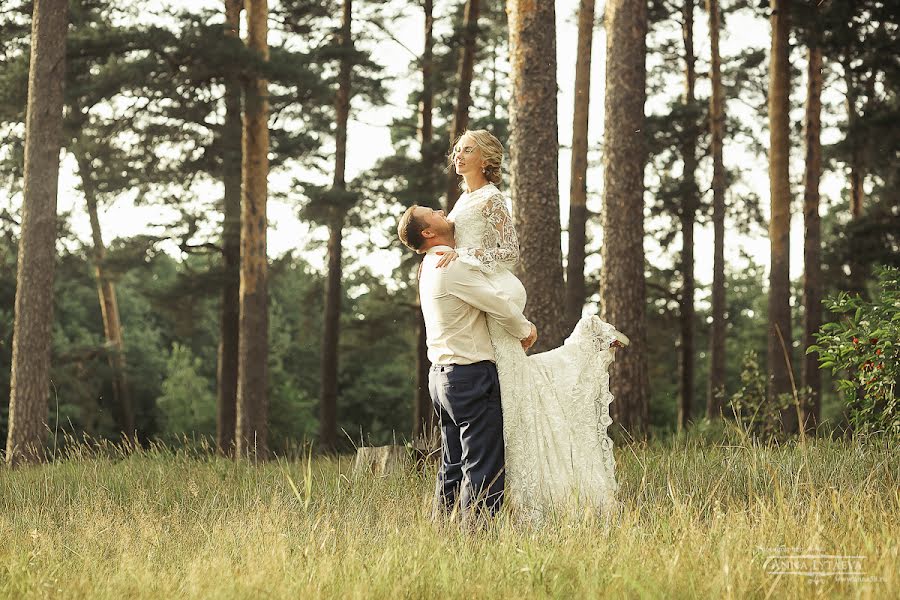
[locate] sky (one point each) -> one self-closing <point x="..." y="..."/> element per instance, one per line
<point x="369" y="140"/>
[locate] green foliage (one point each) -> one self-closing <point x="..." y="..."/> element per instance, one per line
<point x="751" y="405"/>
<point x="188" y="402"/>
<point x="862" y="345"/>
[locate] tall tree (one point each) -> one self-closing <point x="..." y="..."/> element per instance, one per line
<point x="575" y="284"/>
<point x="856" y="161"/>
<point x="716" y="390"/>
<point x="779" y="335"/>
<point x="464" y="71"/>
<point x="690" y="199"/>
<point x="109" y="305"/>
<point x="534" y="164"/>
<point x="423" y="413"/>
<point x="812" y="239"/>
<point x="227" y="367"/>
<point x="338" y="214"/>
<point x="252" y="399"/>
<point x="30" y="372"/>
<point x="622" y="286"/>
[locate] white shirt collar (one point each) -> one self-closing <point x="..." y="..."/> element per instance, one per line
<point x="434" y="249"/>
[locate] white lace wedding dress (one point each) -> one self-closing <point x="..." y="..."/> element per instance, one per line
<point x="556" y="403"/>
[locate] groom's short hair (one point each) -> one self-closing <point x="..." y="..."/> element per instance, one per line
<point x="410" y="229"/>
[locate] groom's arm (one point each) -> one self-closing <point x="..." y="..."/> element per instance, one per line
<point x="475" y="289"/>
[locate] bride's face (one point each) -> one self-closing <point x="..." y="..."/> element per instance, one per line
<point x="467" y="156"/>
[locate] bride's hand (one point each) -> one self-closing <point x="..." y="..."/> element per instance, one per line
<point x="446" y="258"/>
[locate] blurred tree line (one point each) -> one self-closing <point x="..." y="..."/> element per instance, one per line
<point x="145" y="329"/>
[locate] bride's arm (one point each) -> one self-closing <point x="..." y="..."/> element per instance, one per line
<point x="500" y="245"/>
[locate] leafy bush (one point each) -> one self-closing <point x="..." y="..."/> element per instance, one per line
<point x="751" y="406"/>
<point x="862" y="345"/>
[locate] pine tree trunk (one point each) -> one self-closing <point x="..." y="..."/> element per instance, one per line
<point x="252" y="399"/>
<point x="423" y="413"/>
<point x="716" y="391"/>
<point x="622" y="286"/>
<point x="534" y="165"/>
<point x="857" y="194"/>
<point x="690" y="200"/>
<point x="330" y="339"/>
<point x="464" y="93"/>
<point x="812" y="241"/>
<point x="779" y="335"/>
<point x="227" y="371"/>
<point x="576" y="292"/>
<point x="331" y="335"/>
<point x="857" y="175"/>
<point x="122" y="408"/>
<point x="30" y="373"/>
<point x="493" y="90"/>
<point x="426" y="123"/>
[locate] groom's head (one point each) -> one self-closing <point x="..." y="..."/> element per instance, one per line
<point x="420" y="228"/>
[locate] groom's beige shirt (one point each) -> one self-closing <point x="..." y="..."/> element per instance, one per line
<point x="455" y="299"/>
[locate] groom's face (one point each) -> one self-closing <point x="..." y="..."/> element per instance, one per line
<point x="436" y="222"/>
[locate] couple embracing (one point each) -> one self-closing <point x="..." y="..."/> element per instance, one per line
<point x="531" y="427"/>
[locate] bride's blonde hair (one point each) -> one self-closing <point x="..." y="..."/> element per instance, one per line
<point x="491" y="153"/>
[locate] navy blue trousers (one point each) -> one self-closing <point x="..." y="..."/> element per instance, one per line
<point x="467" y="401"/>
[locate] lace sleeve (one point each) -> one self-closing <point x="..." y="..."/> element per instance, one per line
<point x="499" y="244"/>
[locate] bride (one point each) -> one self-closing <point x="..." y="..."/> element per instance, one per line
<point x="556" y="403"/>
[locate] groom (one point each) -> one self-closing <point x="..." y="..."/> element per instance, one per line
<point x="463" y="380"/>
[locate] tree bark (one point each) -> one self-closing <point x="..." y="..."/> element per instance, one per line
<point x="690" y="201"/>
<point x="464" y="69"/>
<point x="229" y="340"/>
<point x="812" y="240"/>
<point x="330" y="340"/>
<point x="423" y="413"/>
<point x="858" y="271"/>
<point x="716" y="391"/>
<point x="331" y="335"/>
<point x="253" y="353"/>
<point x="426" y="127"/>
<point x="576" y="292"/>
<point x="122" y="408"/>
<point x="779" y="335"/>
<point x="622" y="285"/>
<point x="30" y="373"/>
<point x="857" y="194"/>
<point x="534" y="165"/>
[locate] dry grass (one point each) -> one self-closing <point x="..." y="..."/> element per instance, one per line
<point x="700" y="517"/>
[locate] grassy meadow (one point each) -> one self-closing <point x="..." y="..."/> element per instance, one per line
<point x="701" y="515"/>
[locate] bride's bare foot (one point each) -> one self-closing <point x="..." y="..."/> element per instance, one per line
<point x="620" y="341"/>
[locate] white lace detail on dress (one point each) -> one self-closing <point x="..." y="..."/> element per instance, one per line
<point x="555" y="404"/>
<point x="555" y="420"/>
<point x="497" y="246"/>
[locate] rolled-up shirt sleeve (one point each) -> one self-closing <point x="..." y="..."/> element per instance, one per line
<point x="475" y="289"/>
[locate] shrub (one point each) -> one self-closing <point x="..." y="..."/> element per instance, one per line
<point x="861" y="345"/>
<point x="751" y="406"/>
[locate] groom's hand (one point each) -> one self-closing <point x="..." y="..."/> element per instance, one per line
<point x="531" y="339"/>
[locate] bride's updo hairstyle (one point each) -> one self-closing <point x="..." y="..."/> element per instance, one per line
<point x="491" y="153"/>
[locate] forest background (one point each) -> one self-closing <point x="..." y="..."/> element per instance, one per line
<point x="149" y="148"/>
